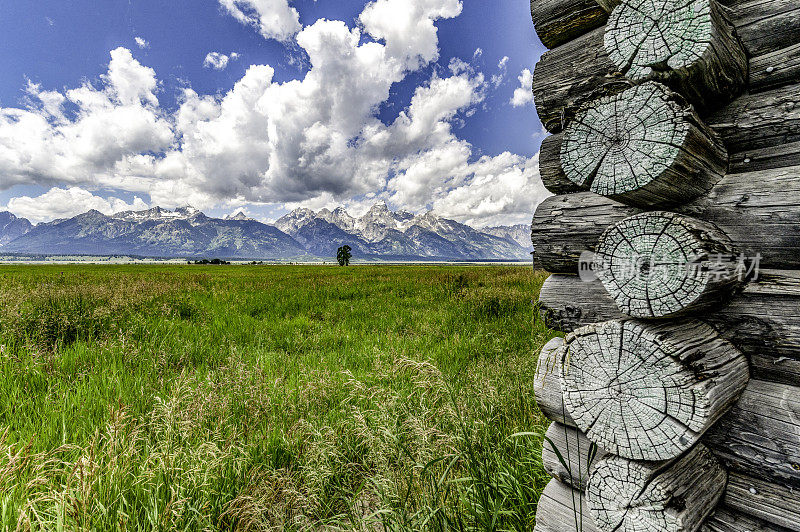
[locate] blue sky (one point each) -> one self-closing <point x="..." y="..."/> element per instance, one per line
<point x="469" y="158"/>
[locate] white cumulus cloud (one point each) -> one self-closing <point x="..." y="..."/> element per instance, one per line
<point x="141" y="43"/>
<point x="274" y="19"/>
<point x="523" y="95"/>
<point x="219" y="61"/>
<point x="68" y="202"/>
<point x="315" y="141"/>
<point x="112" y="126"/>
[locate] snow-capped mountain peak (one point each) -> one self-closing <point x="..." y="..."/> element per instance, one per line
<point x="383" y="231"/>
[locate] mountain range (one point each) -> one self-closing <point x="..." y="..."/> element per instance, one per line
<point x="302" y="234"/>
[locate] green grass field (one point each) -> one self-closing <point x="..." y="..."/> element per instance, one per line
<point x="269" y="398"/>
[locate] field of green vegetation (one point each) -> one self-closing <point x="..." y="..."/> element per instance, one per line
<point x="269" y="398"/>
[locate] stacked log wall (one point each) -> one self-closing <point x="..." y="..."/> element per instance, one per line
<point x="739" y="469"/>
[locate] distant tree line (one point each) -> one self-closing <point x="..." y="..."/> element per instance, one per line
<point x="215" y="262"/>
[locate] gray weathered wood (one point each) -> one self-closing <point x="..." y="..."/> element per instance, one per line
<point x="644" y="147"/>
<point x="765" y="25"/>
<point x="763" y="153"/>
<point x="563" y="509"/>
<point x="547" y="383"/>
<point x="553" y="177"/>
<point x="648" y="391"/>
<point x="750" y="502"/>
<point x="767" y="158"/>
<point x="689" y="44"/>
<point x="763" y="320"/>
<point x="728" y="520"/>
<point x="556" y="513"/>
<point x="760" y="436"/>
<point x="630" y="496"/>
<point x="757" y="210"/>
<point x="560" y="21"/>
<point x="576" y="450"/>
<point x="608" y="5"/>
<point x="775" y="69"/>
<point x="661" y="264"/>
<point x="759" y="120"/>
<point x="763" y="499"/>
<point x="570" y="75"/>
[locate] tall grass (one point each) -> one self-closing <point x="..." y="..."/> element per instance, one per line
<point x="269" y="398"/>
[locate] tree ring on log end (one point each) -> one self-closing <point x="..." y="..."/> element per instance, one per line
<point x="628" y="496"/>
<point x="661" y="264"/>
<point x="649" y="391"/>
<point x="644" y="147"/>
<point x="686" y="43"/>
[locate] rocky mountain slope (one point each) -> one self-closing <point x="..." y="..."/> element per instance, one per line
<point x="400" y="235"/>
<point x="12" y="227"/>
<point x="157" y="232"/>
<point x="301" y="234"/>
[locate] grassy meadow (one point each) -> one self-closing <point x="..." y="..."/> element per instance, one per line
<point x="269" y="398"/>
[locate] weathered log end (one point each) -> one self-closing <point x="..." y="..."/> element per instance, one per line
<point x="643" y="147"/>
<point x="649" y="391"/>
<point x="560" y="21"/>
<point x="628" y="496"/>
<point x="689" y="44"/>
<point x="547" y="383"/>
<point x="661" y="264"/>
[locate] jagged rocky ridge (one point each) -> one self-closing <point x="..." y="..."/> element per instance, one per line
<point x="301" y="234"/>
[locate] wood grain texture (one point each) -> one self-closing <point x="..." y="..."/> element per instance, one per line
<point x="560" y="21"/>
<point x="758" y="120"/>
<point x="750" y="503"/>
<point x="760" y="436"/>
<point x="763" y="320"/>
<point x="768" y="158"/>
<point x="770" y="502"/>
<point x="576" y="450"/>
<point x="648" y="391"/>
<point x="761" y="152"/>
<point x="571" y="75"/>
<point x="775" y="69"/>
<point x="728" y="520"/>
<point x="764" y="26"/>
<point x="661" y="264"/>
<point x="687" y="43"/>
<point x="757" y="210"/>
<point x="576" y="72"/>
<point x="559" y="504"/>
<point x="547" y="383"/>
<point x="563" y="509"/>
<point x="630" y="496"/>
<point x="553" y="177"/>
<point x="643" y="147"/>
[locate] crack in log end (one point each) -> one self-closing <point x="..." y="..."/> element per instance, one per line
<point x="661" y="264"/>
<point x="635" y="389"/>
<point x="628" y="496"/>
<point x="688" y="44"/>
<point x="644" y="147"/>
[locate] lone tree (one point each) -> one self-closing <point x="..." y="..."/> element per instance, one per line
<point x="343" y="256"/>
